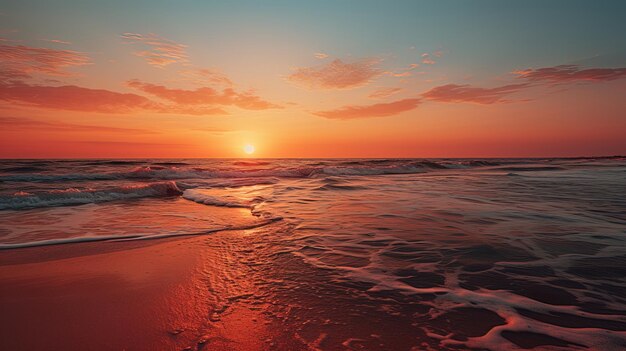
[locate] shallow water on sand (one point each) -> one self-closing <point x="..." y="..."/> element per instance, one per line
<point x="369" y="254"/>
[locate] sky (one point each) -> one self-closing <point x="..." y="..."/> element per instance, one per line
<point x="167" y="79"/>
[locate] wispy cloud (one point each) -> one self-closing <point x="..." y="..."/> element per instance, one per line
<point x="431" y="58"/>
<point x="74" y="98"/>
<point x="70" y="97"/>
<point x="320" y="55"/>
<point x="468" y="93"/>
<point x="29" y="124"/>
<point x="384" y="92"/>
<point x="205" y="76"/>
<point x="369" y="111"/>
<point x="56" y="41"/>
<point x="204" y="96"/>
<point x="427" y="60"/>
<point x="20" y="61"/>
<point x="408" y="72"/>
<point x="337" y="74"/>
<point x="157" y="51"/>
<point x="570" y="74"/>
<point x="562" y="74"/>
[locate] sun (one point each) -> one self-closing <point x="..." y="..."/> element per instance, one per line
<point x="248" y="149"/>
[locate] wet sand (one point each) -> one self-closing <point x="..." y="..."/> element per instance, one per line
<point x="245" y="290"/>
<point x="225" y="291"/>
<point x="151" y="295"/>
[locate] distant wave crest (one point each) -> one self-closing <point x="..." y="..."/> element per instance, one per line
<point x="158" y="171"/>
<point x="72" y="196"/>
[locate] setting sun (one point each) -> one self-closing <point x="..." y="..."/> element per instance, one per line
<point x="248" y="149"/>
<point x="433" y="175"/>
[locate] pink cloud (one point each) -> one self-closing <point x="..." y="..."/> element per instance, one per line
<point x="369" y="111"/>
<point x="204" y="96"/>
<point x="70" y="97"/>
<point x="337" y="74"/>
<point x="320" y="55"/>
<point x="19" y="61"/>
<point x="571" y="73"/>
<point x="467" y="93"/>
<point x="74" y="98"/>
<point x="157" y="51"/>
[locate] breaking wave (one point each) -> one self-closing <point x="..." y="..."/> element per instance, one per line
<point x="197" y="195"/>
<point x="158" y="172"/>
<point x="73" y="196"/>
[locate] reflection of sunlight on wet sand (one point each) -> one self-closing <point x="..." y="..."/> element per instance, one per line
<point x="170" y="295"/>
<point x="170" y="216"/>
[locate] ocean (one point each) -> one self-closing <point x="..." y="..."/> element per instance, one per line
<point x="389" y="254"/>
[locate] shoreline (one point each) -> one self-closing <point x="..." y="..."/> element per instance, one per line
<point x="146" y="295"/>
<point x="236" y="290"/>
<point x="125" y="238"/>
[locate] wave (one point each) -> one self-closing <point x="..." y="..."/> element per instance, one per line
<point x="72" y="196"/>
<point x="530" y="168"/>
<point x="171" y="163"/>
<point x="174" y="173"/>
<point x="162" y="173"/>
<point x="250" y="163"/>
<point x="331" y="187"/>
<point x="404" y="168"/>
<point x="481" y="163"/>
<point x="260" y="169"/>
<point x="113" y="163"/>
<point x="200" y="196"/>
<point x="36" y="177"/>
<point x="23" y="169"/>
<point x="84" y="239"/>
<point x="226" y="183"/>
<point x="333" y="183"/>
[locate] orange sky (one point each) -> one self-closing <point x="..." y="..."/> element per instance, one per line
<point x="138" y="88"/>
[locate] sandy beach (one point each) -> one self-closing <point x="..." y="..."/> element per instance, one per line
<point x="151" y="295"/>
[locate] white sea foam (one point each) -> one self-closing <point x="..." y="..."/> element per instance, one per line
<point x="199" y="196"/>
